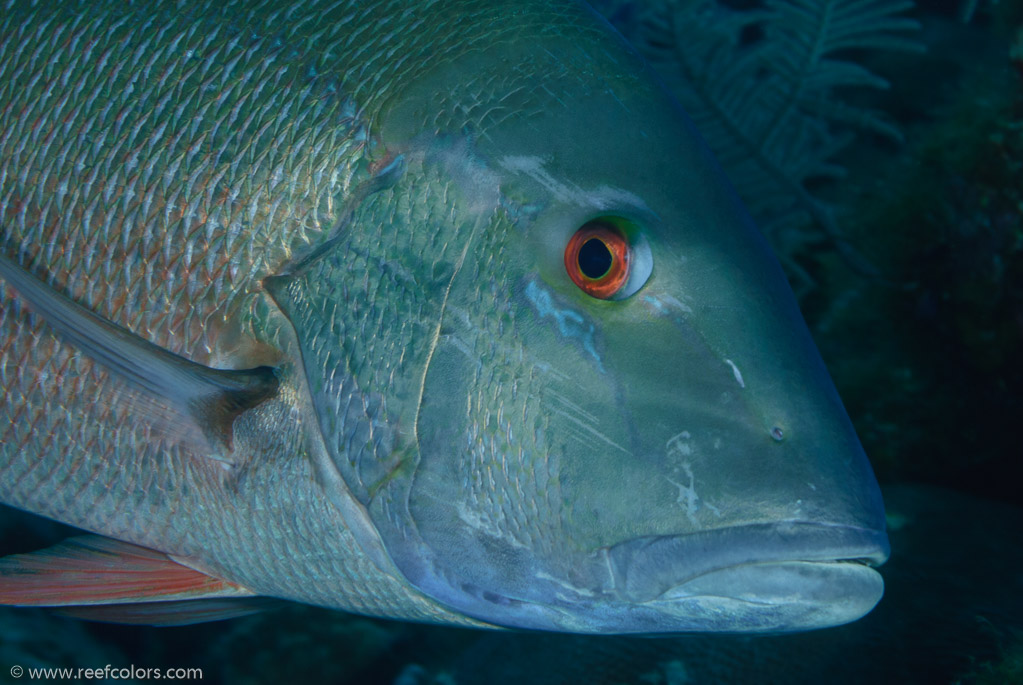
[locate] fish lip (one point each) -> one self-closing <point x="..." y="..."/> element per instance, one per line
<point x="775" y="597"/>
<point x="651" y="568"/>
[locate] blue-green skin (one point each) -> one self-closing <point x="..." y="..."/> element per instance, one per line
<point x="471" y="438"/>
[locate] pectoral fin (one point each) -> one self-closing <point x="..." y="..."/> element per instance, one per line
<point x="108" y="580"/>
<point x="212" y="398"/>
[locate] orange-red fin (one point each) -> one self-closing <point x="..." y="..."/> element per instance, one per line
<point x="174" y="613"/>
<point x="96" y="573"/>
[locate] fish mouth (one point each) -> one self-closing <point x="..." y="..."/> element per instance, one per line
<point x="649" y="567"/>
<point x="757" y="578"/>
<point x="776" y="577"/>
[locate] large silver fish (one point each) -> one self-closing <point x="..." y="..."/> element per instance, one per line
<point x="430" y="310"/>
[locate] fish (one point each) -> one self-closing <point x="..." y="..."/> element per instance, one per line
<point x="437" y="311"/>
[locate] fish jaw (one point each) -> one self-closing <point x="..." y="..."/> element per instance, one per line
<point x="782" y="577"/>
<point x="777" y="578"/>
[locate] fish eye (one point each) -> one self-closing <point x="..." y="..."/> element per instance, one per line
<point x="607" y="259"/>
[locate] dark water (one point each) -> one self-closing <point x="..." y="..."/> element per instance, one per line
<point x="923" y="332"/>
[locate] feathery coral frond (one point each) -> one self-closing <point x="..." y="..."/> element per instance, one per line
<point x="761" y="86"/>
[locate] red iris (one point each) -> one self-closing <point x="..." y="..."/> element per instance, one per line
<point x="597" y="259"/>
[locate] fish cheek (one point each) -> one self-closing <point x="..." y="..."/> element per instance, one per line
<point x="496" y="420"/>
<point x="478" y="497"/>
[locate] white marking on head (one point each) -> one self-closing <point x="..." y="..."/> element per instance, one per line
<point x="687" y="496"/>
<point x="736" y="373"/>
<point x="600" y="198"/>
<point x="675" y="303"/>
<point x="678" y="447"/>
<point x="680" y="444"/>
<point x="570" y="323"/>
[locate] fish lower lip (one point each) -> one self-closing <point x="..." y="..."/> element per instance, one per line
<point x="748" y="563"/>
<point x="779" y="596"/>
<point x="773" y="582"/>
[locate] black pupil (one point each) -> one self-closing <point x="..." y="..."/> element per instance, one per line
<point x="594" y="258"/>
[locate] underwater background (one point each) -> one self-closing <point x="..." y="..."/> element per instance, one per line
<point x="879" y="145"/>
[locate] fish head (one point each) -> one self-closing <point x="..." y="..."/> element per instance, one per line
<point x="539" y="445"/>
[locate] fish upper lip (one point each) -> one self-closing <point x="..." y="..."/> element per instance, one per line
<point x="643" y="569"/>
